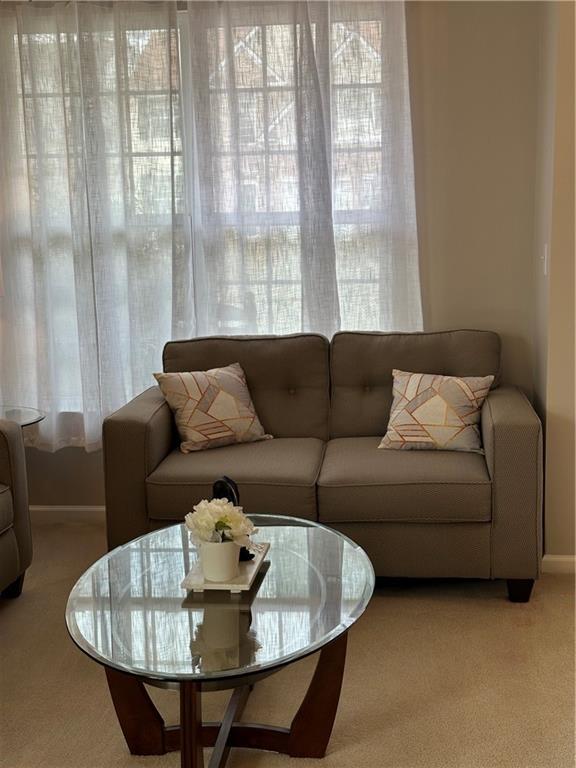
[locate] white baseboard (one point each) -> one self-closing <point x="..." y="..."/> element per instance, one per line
<point x="67" y="513"/>
<point x="559" y="564"/>
<point x="66" y="508"/>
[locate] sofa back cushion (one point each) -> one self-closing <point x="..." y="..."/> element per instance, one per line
<point x="361" y="367"/>
<point x="288" y="376"/>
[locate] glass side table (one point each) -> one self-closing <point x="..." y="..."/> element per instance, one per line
<point x="21" y="414"/>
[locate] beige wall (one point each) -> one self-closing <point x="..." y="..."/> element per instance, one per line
<point x="543" y="203"/>
<point x="69" y="477"/>
<point x="474" y="70"/>
<point x="560" y="424"/>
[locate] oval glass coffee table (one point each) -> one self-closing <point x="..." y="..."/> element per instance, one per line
<point x="129" y="613"/>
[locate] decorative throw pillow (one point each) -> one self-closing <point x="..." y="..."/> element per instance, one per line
<point x="211" y="408"/>
<point x="436" y="412"/>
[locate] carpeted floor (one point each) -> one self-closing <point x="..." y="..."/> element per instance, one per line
<point x="439" y="675"/>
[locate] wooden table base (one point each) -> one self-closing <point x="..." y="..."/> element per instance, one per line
<point x="308" y="735"/>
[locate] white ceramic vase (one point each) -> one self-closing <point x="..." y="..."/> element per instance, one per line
<point x="219" y="560"/>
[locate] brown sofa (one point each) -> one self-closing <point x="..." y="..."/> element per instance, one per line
<point x="15" y="536"/>
<point x="416" y="513"/>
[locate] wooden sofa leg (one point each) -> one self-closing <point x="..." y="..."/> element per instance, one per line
<point x="519" y="590"/>
<point x="15" y="589"/>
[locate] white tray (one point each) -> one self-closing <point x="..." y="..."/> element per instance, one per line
<point x="194" y="579"/>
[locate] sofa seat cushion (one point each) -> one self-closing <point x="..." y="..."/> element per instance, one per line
<point x="6" y="508"/>
<point x="273" y="476"/>
<point x="360" y="483"/>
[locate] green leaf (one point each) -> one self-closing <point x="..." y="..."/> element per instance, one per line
<point x="222" y="525"/>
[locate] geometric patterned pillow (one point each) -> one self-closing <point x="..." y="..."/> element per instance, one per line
<point x="436" y="412"/>
<point x="211" y="408"/>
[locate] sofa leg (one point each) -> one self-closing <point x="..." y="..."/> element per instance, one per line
<point x="15" y="589"/>
<point x="519" y="590"/>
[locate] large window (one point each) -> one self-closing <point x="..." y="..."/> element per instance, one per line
<point x="231" y="167"/>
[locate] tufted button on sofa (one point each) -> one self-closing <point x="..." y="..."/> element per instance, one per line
<point x="416" y="513"/>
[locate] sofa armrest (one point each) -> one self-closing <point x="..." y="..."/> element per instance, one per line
<point x="13" y="474"/>
<point x="135" y="439"/>
<point x="512" y="436"/>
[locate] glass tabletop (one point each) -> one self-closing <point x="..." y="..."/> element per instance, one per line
<point x="128" y="611"/>
<point x="21" y="415"/>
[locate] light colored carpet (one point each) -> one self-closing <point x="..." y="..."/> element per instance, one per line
<point x="445" y="675"/>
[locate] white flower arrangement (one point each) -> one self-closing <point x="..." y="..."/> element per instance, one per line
<point x="219" y="520"/>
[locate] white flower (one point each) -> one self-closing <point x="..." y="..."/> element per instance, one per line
<point x="201" y="525"/>
<point x="219" y="520"/>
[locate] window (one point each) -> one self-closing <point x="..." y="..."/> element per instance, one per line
<point x="249" y="77"/>
<point x="232" y="168"/>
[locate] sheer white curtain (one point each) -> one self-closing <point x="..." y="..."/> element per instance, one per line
<point x="229" y="168"/>
<point x="94" y="249"/>
<point x="301" y="175"/>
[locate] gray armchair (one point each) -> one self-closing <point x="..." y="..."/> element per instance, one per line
<point x="15" y="535"/>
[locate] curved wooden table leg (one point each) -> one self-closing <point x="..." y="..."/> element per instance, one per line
<point x="191" y="755"/>
<point x="311" y="727"/>
<point x="141" y="723"/>
<point x="308" y="736"/>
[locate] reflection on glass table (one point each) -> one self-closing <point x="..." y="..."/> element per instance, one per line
<point x="21" y="415"/>
<point x="129" y="613"/>
<point x="225" y="638"/>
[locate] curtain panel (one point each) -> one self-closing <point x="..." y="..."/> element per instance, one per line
<point x="94" y="236"/>
<point x="229" y="167"/>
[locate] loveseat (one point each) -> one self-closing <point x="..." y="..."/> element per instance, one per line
<point x="416" y="513"/>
